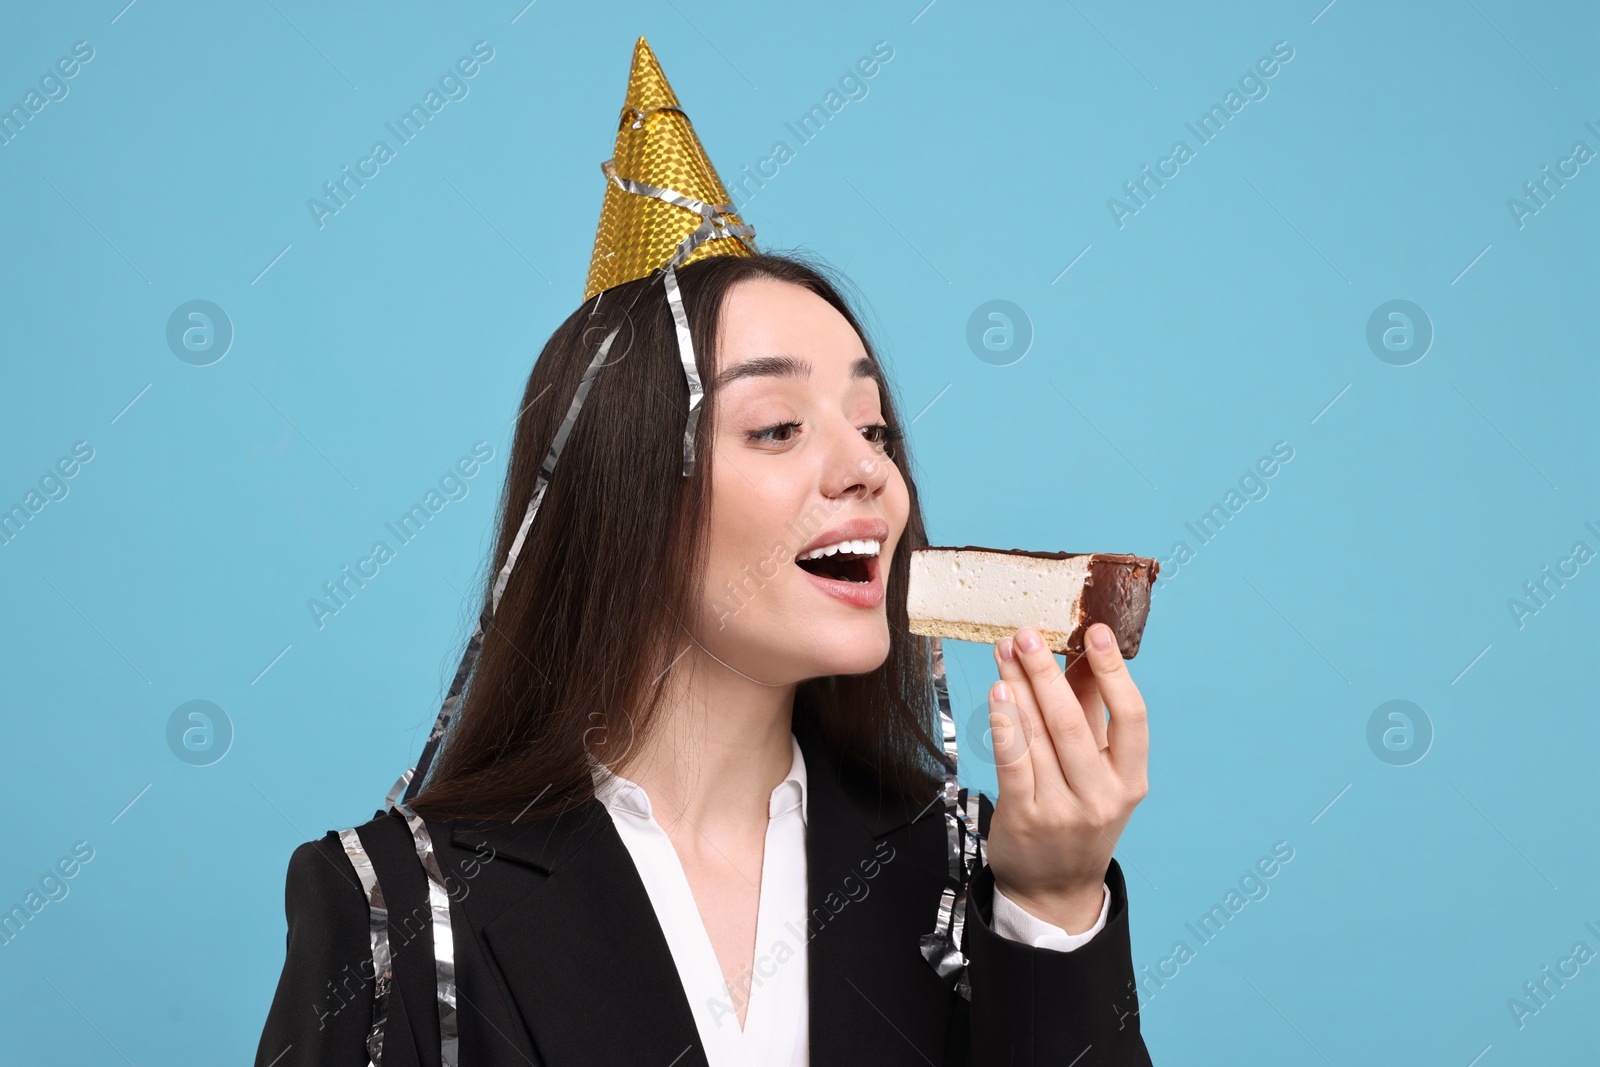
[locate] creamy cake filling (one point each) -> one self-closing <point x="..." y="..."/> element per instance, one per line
<point x="997" y="588"/>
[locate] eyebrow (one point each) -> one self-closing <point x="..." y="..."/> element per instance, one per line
<point x="785" y="367"/>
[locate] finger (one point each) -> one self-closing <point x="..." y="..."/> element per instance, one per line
<point x="1081" y="677"/>
<point x="1010" y="743"/>
<point x="1070" y="734"/>
<point x="1046" y="768"/>
<point x="1129" y="732"/>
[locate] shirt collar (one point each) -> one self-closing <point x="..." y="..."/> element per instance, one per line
<point x="621" y="794"/>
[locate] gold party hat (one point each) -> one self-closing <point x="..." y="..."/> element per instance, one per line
<point x="656" y="146"/>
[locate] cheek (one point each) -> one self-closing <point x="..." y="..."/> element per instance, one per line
<point x="750" y="511"/>
<point x="897" y="503"/>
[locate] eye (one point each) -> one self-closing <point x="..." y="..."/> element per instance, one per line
<point x="881" y="434"/>
<point x="772" y="433"/>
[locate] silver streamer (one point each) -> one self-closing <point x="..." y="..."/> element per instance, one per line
<point x="410" y="782"/>
<point x="942" y="947"/>
<point x="378" y="928"/>
<point x="714" y="224"/>
<point x="680" y="321"/>
<point x="444" y="946"/>
<point x="407" y="784"/>
<point x="713" y="216"/>
<point x="637" y="122"/>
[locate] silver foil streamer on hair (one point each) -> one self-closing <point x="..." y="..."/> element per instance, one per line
<point x="410" y="782"/>
<point x="942" y="946"/>
<point x="378" y="929"/>
<point x="680" y="320"/>
<point x="714" y="224"/>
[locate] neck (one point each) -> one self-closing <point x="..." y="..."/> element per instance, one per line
<point x="719" y="749"/>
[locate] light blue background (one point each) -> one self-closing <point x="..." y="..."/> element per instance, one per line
<point x="1228" y="314"/>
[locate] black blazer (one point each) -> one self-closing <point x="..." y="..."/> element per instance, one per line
<point x="560" y="961"/>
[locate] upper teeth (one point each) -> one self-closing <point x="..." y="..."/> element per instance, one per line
<point x="859" y="548"/>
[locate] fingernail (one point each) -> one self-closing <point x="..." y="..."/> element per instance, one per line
<point x="1100" y="637"/>
<point x="1002" y="693"/>
<point x="1006" y="651"/>
<point x="1029" y="640"/>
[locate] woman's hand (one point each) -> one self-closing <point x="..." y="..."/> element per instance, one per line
<point x="1068" y="780"/>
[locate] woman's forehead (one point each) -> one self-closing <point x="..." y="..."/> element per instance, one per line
<point x="764" y="318"/>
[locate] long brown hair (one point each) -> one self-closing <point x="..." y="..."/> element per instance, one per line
<point x="597" y="604"/>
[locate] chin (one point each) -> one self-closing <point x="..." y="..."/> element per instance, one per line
<point x="856" y="649"/>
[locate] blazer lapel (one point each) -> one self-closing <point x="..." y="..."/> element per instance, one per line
<point x="873" y="998"/>
<point x="582" y="953"/>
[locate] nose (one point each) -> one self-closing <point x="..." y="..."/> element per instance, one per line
<point x="855" y="465"/>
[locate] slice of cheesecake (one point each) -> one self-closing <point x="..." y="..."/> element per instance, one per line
<point x="986" y="594"/>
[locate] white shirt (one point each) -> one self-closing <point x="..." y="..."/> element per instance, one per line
<point x="777" y="1018"/>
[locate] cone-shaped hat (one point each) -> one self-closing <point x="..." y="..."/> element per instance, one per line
<point x="656" y="145"/>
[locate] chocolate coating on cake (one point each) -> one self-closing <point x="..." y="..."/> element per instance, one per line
<point x="1117" y="593"/>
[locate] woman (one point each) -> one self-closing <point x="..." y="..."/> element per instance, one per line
<point x="667" y="684"/>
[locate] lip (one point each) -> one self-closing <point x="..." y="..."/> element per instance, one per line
<point x="868" y="594"/>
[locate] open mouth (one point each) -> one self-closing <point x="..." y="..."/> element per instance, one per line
<point x="851" y="562"/>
